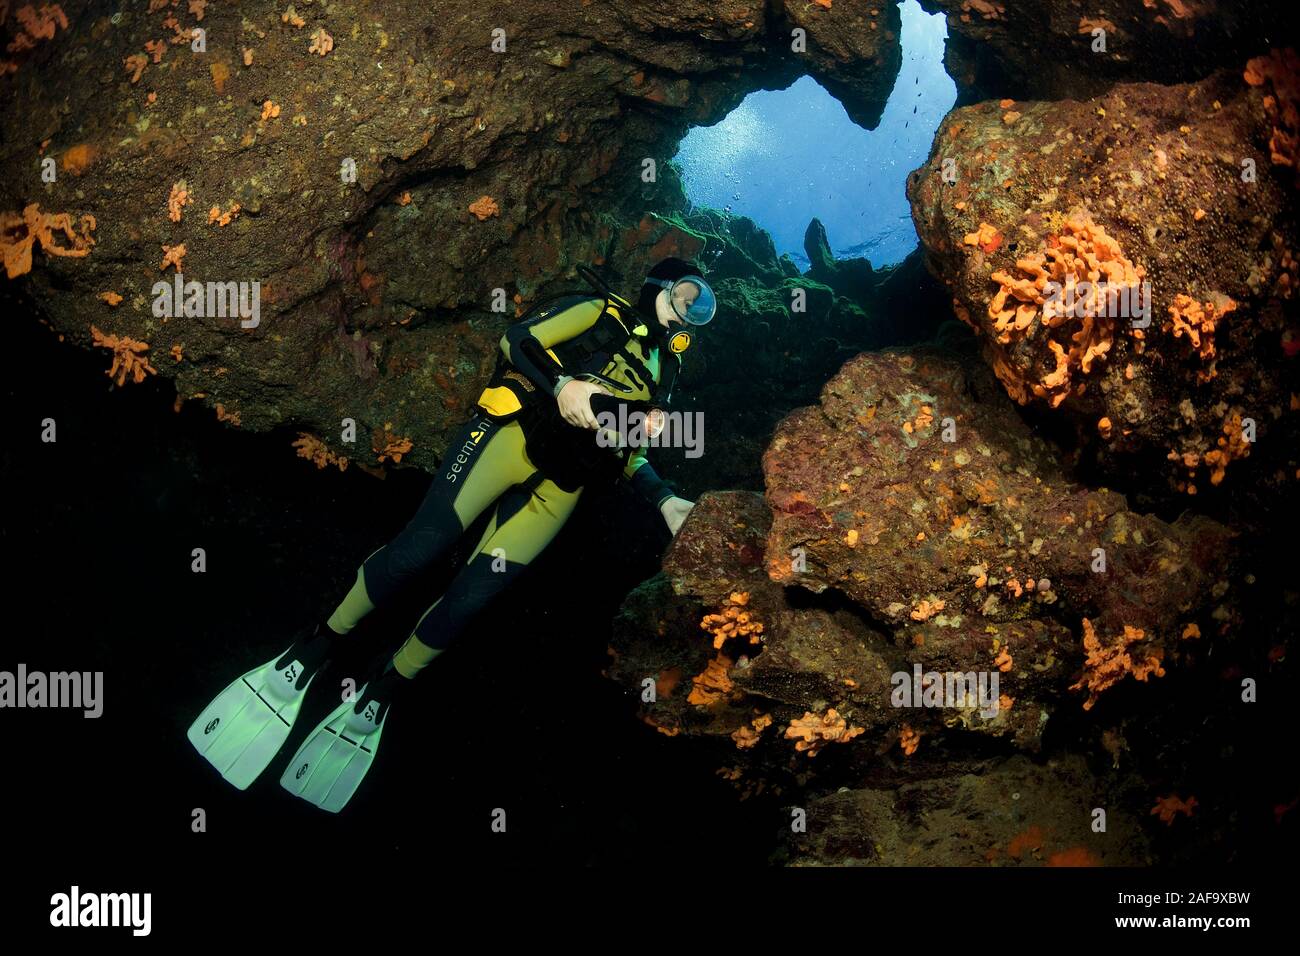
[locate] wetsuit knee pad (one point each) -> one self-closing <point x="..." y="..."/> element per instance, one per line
<point x="471" y="591"/>
<point x="427" y="537"/>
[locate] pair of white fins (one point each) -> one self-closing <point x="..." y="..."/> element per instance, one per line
<point x="243" y="729"/>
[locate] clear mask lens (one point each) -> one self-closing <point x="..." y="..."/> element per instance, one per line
<point x="692" y="299"/>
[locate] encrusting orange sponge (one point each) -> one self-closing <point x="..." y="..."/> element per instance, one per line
<point x="222" y="218"/>
<point x="1232" y="444"/>
<point x="1081" y="253"/>
<point x="321" y="42"/>
<point x="1280" y="68"/>
<point x="1107" y="664"/>
<point x="484" y="206"/>
<point x="178" y="198"/>
<point x="33" y="25"/>
<point x="747" y="737"/>
<point x="395" y="446"/>
<point x="20" y="231"/>
<point x="1169" y="807"/>
<point x="812" y="731"/>
<point x="128" y="356"/>
<point x="734" y="621"/>
<point x="926" y="609"/>
<point x="986" y="237"/>
<point x="1197" y="321"/>
<point x="713" y="684"/>
<point x="909" y="740"/>
<point x="316" y="451"/>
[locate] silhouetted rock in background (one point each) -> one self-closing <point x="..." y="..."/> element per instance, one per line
<point x="852" y="278"/>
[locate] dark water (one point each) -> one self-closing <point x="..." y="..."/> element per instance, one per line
<point x="99" y="528"/>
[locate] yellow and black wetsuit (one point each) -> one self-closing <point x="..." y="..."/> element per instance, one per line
<point x="519" y="453"/>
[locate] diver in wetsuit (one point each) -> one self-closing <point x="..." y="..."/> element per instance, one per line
<point x="530" y="449"/>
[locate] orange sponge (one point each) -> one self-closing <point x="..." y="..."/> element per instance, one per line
<point x="1107" y="664"/>
<point x="812" y="732"/>
<point x="20" y="231"/>
<point x="734" y="621"/>
<point x="1085" y="264"/>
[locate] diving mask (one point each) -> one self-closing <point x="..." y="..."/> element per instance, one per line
<point x="692" y="299"/>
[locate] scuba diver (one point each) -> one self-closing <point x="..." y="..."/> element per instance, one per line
<point x="539" y="435"/>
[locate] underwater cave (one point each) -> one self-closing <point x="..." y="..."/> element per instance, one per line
<point x="926" y="556"/>
<point x="784" y="156"/>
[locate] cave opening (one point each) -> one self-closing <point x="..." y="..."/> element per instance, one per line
<point x="784" y="157"/>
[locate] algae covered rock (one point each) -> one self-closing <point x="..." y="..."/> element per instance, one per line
<point x="1128" y="264"/>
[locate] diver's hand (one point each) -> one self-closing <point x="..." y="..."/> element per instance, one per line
<point x="575" y="403"/>
<point x="675" y="511"/>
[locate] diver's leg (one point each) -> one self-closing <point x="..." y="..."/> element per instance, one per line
<point x="522" y="526"/>
<point x="355" y="605"/>
<point x="335" y="757"/>
<point x="482" y="460"/>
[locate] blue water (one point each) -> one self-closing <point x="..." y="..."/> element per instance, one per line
<point x="783" y="157"/>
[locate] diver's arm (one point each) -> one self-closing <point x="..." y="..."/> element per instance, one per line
<point x="658" y="492"/>
<point x="525" y="343"/>
<point x="655" y="490"/>
<point x="646" y="480"/>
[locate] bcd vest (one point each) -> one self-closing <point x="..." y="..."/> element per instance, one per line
<point x="618" y="347"/>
